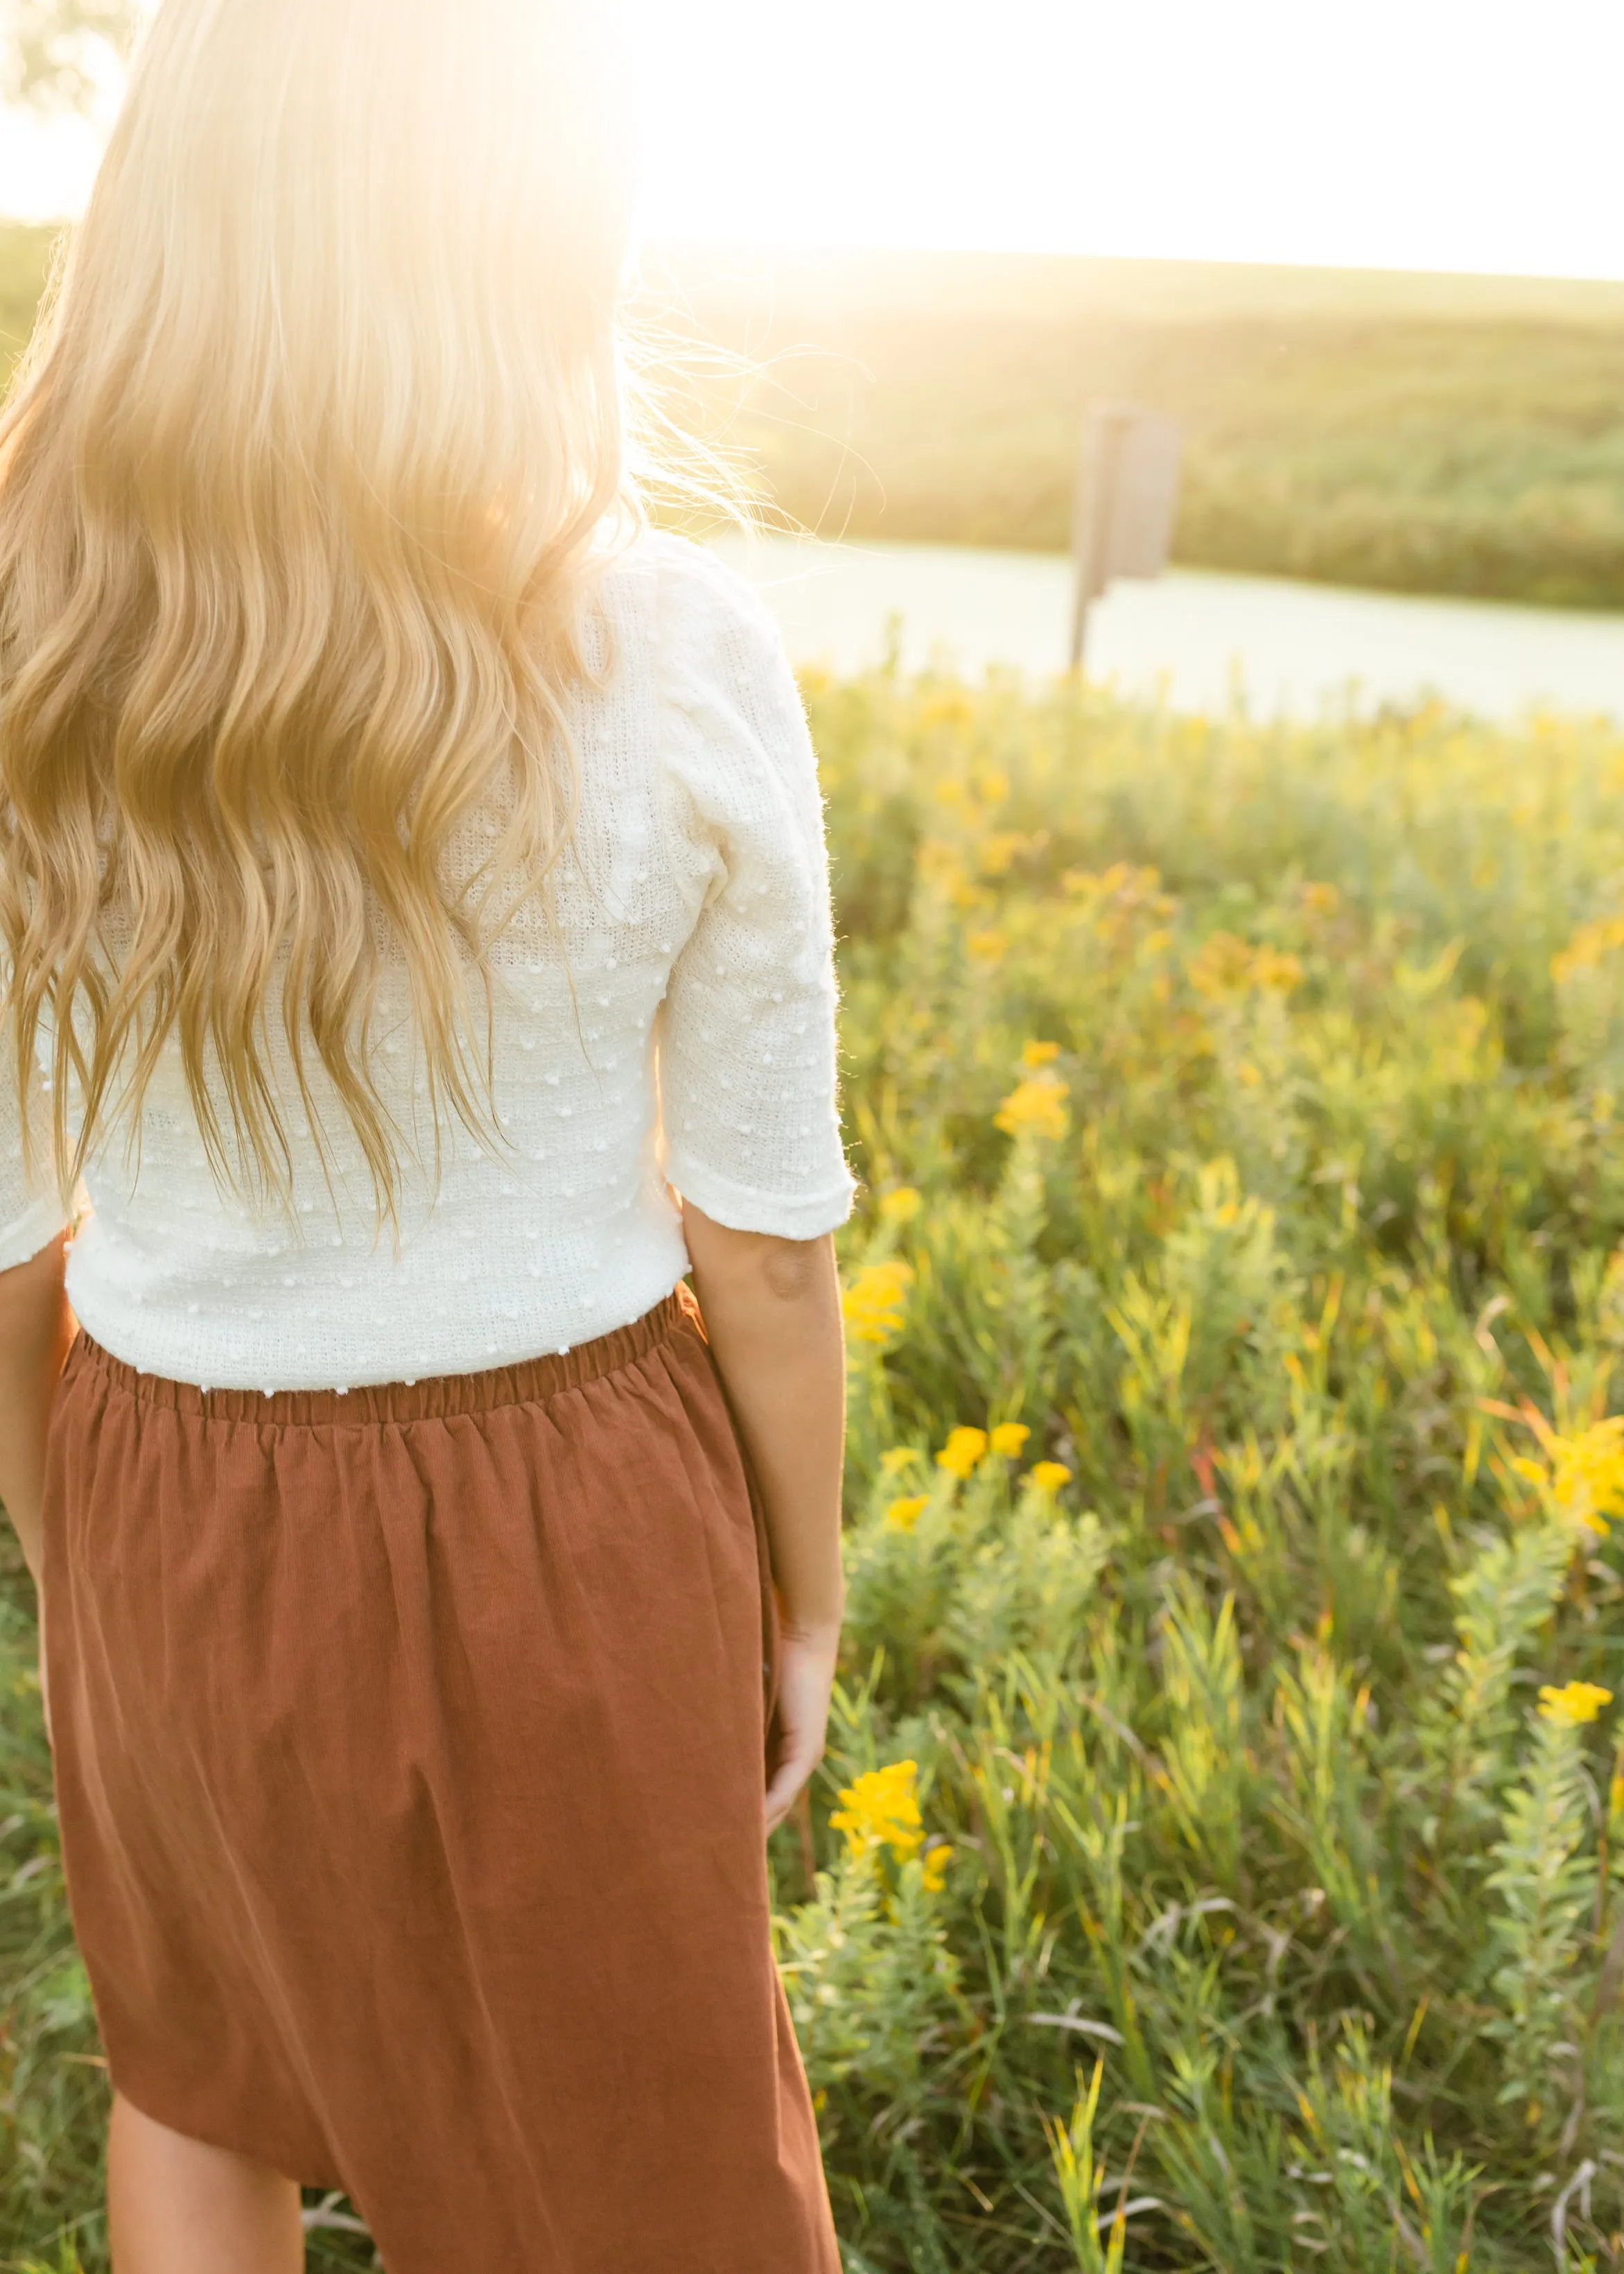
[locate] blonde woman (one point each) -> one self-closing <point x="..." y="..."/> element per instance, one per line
<point x="417" y="963"/>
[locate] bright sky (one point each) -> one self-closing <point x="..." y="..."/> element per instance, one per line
<point x="1469" y="134"/>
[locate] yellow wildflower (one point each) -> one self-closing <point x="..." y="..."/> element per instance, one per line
<point x="995" y="855"/>
<point x="1049" y="1476"/>
<point x="1220" y="965"/>
<point x="873" y="1304"/>
<point x="882" y="1810"/>
<point x="1225" y="966"/>
<point x="987" y="946"/>
<point x="1584" y="1474"/>
<point x="905" y="1514"/>
<point x="1038" y="1104"/>
<point x="1131" y="887"/>
<point x="1587" y="1473"/>
<point x="941" y="863"/>
<point x="1039" y="1054"/>
<point x="1575" y="1703"/>
<point x="1585" y="950"/>
<point x="1009" y="1437"/>
<point x="1274" y="971"/>
<point x="994" y="783"/>
<point x="899" y="1458"/>
<point x="962" y="1451"/>
<point x="900" y="1207"/>
<point x="932" y="1869"/>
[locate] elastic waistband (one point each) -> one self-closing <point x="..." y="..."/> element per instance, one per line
<point x="532" y="1382"/>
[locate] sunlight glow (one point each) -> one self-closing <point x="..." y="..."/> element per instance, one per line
<point x="1475" y="134"/>
<point x="1472" y="134"/>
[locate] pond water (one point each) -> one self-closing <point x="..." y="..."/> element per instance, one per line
<point x="1197" y="638"/>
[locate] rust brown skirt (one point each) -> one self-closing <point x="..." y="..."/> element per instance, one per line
<point x="409" y="1748"/>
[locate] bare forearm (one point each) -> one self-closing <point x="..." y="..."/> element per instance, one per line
<point x="773" y="1312"/>
<point x="35" y="1329"/>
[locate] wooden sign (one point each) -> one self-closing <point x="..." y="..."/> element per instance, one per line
<point x="1127" y="503"/>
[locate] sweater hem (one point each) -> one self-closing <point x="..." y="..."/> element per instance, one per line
<point x="741" y="1209"/>
<point x="185" y="1358"/>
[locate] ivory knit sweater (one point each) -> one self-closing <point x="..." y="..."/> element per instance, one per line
<point x="674" y="1026"/>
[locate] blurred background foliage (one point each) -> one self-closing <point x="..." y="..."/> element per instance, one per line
<point x="1418" y="433"/>
<point x="49" y="48"/>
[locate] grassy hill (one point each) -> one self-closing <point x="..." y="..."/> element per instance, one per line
<point x="1419" y="433"/>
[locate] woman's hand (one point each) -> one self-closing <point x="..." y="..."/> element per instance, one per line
<point x="772" y="1311"/>
<point x="805" y="1677"/>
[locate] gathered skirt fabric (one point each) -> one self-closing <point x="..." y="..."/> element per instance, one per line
<point x="410" y="1751"/>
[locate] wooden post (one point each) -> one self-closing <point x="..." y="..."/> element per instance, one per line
<point x="1125" y="507"/>
<point x="1091" y="516"/>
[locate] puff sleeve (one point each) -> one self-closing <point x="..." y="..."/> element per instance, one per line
<point x="746" y="1044"/>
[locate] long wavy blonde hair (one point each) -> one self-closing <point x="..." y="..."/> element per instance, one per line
<point x="304" y="484"/>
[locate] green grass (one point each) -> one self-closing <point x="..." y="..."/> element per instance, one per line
<point x="1303" y="1254"/>
<point x="51" y="2090"/>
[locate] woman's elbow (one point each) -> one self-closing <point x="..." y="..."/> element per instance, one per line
<point x="787" y="1271"/>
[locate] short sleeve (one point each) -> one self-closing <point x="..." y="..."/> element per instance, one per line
<point x="748" y="1055"/>
<point x="30" y="1216"/>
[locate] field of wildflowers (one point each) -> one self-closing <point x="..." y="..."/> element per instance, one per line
<point x="1219" y="1863"/>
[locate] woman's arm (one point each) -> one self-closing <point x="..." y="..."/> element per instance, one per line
<point x="772" y="1311"/>
<point x="37" y="1327"/>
